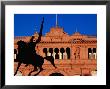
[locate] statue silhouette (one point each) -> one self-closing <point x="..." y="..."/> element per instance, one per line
<point x="27" y="54"/>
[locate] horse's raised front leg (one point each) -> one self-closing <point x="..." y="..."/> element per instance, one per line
<point x="51" y="59"/>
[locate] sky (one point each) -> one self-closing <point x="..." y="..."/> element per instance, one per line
<point x="28" y="24"/>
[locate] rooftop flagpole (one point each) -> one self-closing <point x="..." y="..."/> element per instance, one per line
<point x="76" y="29"/>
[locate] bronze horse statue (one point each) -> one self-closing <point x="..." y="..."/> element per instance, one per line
<point x="27" y="54"/>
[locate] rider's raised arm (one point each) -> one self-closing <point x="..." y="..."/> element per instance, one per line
<point x="40" y="33"/>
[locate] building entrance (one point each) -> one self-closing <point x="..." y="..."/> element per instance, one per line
<point x="56" y="74"/>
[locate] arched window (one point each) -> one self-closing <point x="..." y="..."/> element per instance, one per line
<point x="89" y="53"/>
<point x="68" y="52"/>
<point x="15" y="51"/>
<point x="94" y="50"/>
<point x="51" y="51"/>
<point x="62" y="51"/>
<point x="94" y="53"/>
<point x="56" y="50"/>
<point x="45" y="51"/>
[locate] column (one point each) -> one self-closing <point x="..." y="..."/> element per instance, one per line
<point x="15" y="53"/>
<point x="60" y="55"/>
<point x="14" y="56"/>
<point x="64" y="55"/>
<point x="48" y="53"/>
<point x="53" y="53"/>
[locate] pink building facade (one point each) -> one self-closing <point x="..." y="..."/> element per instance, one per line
<point x="74" y="55"/>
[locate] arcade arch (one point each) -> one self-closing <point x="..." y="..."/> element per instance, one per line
<point x="57" y="53"/>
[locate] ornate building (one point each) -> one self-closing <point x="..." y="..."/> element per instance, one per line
<point x="74" y="55"/>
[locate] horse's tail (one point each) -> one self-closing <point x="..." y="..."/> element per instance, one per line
<point x="51" y="59"/>
<point x="19" y="63"/>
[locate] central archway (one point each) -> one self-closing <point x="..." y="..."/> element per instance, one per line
<point x="56" y="74"/>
